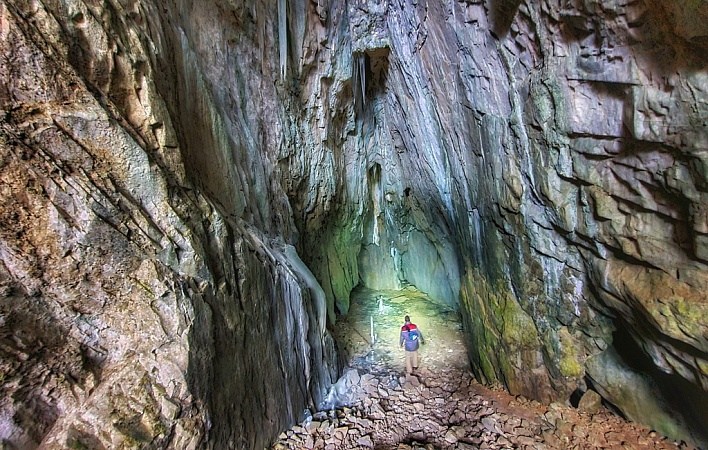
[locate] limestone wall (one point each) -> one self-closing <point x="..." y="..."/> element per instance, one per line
<point x="166" y="165"/>
<point x="149" y="298"/>
<point x="541" y="165"/>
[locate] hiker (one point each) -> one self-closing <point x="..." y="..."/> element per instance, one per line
<point x="410" y="334"/>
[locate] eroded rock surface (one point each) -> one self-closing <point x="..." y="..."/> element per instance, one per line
<point x="540" y="165"/>
<point x="167" y="166"/>
<point x="139" y="308"/>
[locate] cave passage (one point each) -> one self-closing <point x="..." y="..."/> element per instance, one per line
<point x="685" y="402"/>
<point x="374" y="406"/>
<point x="441" y="326"/>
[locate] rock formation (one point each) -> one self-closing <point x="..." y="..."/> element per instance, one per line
<point x="149" y="293"/>
<point x="191" y="190"/>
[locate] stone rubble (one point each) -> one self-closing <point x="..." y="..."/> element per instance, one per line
<point x="448" y="409"/>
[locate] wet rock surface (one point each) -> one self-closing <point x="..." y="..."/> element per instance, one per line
<point x="133" y="302"/>
<point x="192" y="189"/>
<point x="541" y="166"/>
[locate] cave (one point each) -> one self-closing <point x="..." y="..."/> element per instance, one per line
<point x="215" y="215"/>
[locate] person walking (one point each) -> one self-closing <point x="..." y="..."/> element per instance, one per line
<point x="410" y="335"/>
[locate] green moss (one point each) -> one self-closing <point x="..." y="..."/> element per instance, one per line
<point x="503" y="334"/>
<point x="691" y="316"/>
<point x="133" y="428"/>
<point x="80" y="440"/>
<point x="570" y="364"/>
<point x="334" y="262"/>
<point x="76" y="445"/>
<point x="487" y="368"/>
<point x="509" y="376"/>
<point x="518" y="328"/>
<point x="570" y="367"/>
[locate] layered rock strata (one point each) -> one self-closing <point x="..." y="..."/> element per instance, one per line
<point x="192" y="190"/>
<point x="149" y="295"/>
<point x="539" y="165"/>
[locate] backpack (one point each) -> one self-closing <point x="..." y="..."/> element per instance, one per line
<point x="412" y="336"/>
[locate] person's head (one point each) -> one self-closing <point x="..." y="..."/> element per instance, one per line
<point x="407" y="319"/>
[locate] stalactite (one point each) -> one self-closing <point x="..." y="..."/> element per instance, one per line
<point x="362" y="77"/>
<point x="261" y="21"/>
<point x="359" y="80"/>
<point x="375" y="188"/>
<point x="355" y="82"/>
<point x="283" y="36"/>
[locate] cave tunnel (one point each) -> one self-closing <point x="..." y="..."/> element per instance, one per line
<point x="370" y="333"/>
<point x="214" y="217"/>
<point x="394" y="261"/>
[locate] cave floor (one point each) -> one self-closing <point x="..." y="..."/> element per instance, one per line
<point x="375" y="406"/>
<point x="444" y="343"/>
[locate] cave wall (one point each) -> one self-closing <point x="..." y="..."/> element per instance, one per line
<point x="539" y="165"/>
<point x="151" y="296"/>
